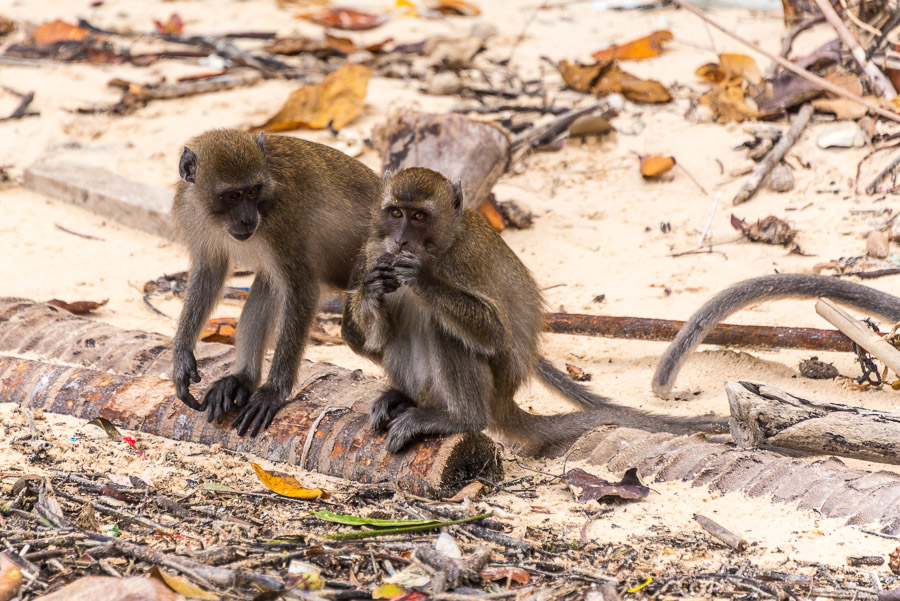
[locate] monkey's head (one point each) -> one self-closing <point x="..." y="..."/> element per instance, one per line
<point x="420" y="211"/>
<point x="225" y="172"/>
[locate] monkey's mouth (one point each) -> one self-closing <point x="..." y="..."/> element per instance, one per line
<point x="242" y="236"/>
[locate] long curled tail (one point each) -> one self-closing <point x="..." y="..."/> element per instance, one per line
<point x="769" y="287"/>
<point x="567" y="387"/>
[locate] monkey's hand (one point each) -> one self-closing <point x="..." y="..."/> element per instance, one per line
<point x="224" y="396"/>
<point x="185" y="372"/>
<point x="380" y="280"/>
<point x="259" y="411"/>
<point x="388" y="406"/>
<point x="407" y="267"/>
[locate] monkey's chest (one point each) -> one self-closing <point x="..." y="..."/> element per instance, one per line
<point x="414" y="354"/>
<point x="251" y="254"/>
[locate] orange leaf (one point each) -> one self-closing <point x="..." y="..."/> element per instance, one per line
<point x="337" y="100"/>
<point x="635" y="89"/>
<point x="517" y="575"/>
<point x="219" y="330"/>
<point x="174" y="26"/>
<point x="467" y="492"/>
<point x="343" y="18"/>
<point x="459" y="8"/>
<point x="286" y="485"/>
<point x="580" y="77"/>
<point x="654" y="166"/>
<point x="58" y="31"/>
<point x="646" y="47"/>
<point x="740" y="65"/>
<point x="711" y="72"/>
<point x="493" y="216"/>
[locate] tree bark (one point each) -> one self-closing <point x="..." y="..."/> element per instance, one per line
<point x="765" y="415"/>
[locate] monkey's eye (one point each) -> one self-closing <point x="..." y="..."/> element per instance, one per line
<point x="420" y="216"/>
<point x="234" y="195"/>
<point x="396" y="213"/>
<point x="253" y="192"/>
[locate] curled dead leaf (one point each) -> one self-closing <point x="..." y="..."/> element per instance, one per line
<point x="180" y="585"/>
<point x="604" y="78"/>
<point x="219" y="330"/>
<point x="77" y="307"/>
<point x="593" y="488"/>
<point x="654" y="166"/>
<point x="469" y="491"/>
<point x="174" y="26"/>
<point x="58" y="31"/>
<point x="343" y="18"/>
<point x="337" y="100"/>
<point x="458" y="8"/>
<point x="286" y="485"/>
<point x="643" y="48"/>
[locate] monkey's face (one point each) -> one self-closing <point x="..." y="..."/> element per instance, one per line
<point x="405" y="228"/>
<point x="239" y="205"/>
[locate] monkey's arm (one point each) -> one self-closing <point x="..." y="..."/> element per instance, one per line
<point x="770" y="287"/>
<point x="360" y="311"/>
<point x="298" y="310"/>
<point x="204" y="287"/>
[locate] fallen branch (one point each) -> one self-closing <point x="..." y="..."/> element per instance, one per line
<point x="765" y="415"/>
<point x="721" y="534"/>
<point x="774" y="156"/>
<point x="859" y="333"/>
<point x="546" y="132"/>
<point x="820" y="81"/>
<point x="881" y="85"/>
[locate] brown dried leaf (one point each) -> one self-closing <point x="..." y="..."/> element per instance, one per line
<point x="337" y="100"/>
<point x="219" y="330"/>
<point x="10" y="578"/>
<point x="593" y="488"/>
<point x="455" y="8"/>
<point x="580" y="77"/>
<point x="7" y="26"/>
<point x="469" y="491"/>
<point x="343" y="18"/>
<point x="92" y="588"/>
<point x="711" y="72"/>
<point x="517" y="575"/>
<point x="643" y="48"/>
<point x="614" y="80"/>
<point x="174" y="26"/>
<point x="727" y="102"/>
<point x="740" y="66"/>
<point x="843" y="108"/>
<point x="180" y="585"/>
<point x="77" y="307"/>
<point x="654" y="166"/>
<point x="58" y="31"/>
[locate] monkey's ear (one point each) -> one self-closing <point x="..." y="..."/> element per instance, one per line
<point x="187" y="165"/>
<point x="261" y="141"/>
<point x="457" y="197"/>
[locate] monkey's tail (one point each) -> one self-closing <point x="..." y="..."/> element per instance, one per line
<point x="765" y="288"/>
<point x="561" y="382"/>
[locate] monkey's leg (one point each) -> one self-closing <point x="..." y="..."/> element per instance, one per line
<point x="253" y="333"/>
<point x="388" y="406"/>
<point x="204" y="287"/>
<point x="416" y="422"/>
<point x="298" y="310"/>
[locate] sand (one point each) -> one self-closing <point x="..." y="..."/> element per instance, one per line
<point x="597" y="232"/>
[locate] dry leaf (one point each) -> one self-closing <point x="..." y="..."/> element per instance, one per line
<point x="580" y="77"/>
<point x="181" y="586"/>
<point x="286" y="485"/>
<point x="593" y="488"/>
<point x="654" y="166"/>
<point x="219" y="330"/>
<point x="646" y="47"/>
<point x="732" y="75"/>
<point x="467" y="492"/>
<point x="77" y="307"/>
<point x="843" y="108"/>
<point x="458" y="8"/>
<point x="847" y="81"/>
<point x="108" y="427"/>
<point x="493" y="216"/>
<point x="58" y="31"/>
<point x="94" y="588"/>
<point x="577" y="374"/>
<point x="727" y="102"/>
<point x="740" y="65"/>
<point x="337" y="100"/>
<point x="605" y="78"/>
<point x="344" y="18"/>
<point x="517" y="575"/>
<point x="10" y="578"/>
<point x="174" y="26"/>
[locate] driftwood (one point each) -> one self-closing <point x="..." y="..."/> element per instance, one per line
<point x="460" y="148"/>
<point x="765" y="415"/>
<point x="774" y="156"/>
<point x="720" y="533"/>
<point x="859" y="333"/>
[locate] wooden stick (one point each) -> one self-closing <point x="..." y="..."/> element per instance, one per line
<point x="820" y="81"/>
<point x="774" y="156"/>
<point x="881" y="84"/>
<point x="721" y="534"/>
<point x="859" y="333"/>
<point x="765" y="415"/>
<point x="787" y="42"/>
<point x="873" y="186"/>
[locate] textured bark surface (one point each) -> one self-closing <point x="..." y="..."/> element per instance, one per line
<point x="765" y="415"/>
<point x="825" y="485"/>
<point x="460" y="148"/>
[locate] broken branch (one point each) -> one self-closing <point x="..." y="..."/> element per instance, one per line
<point x="859" y="333"/>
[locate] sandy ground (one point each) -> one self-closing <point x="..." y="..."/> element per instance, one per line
<point x="597" y="229"/>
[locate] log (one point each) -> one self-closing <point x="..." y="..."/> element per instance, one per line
<point x="765" y="415"/>
<point x="342" y="443"/>
<point x="462" y="149"/>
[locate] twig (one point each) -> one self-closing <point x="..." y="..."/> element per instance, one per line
<point x="819" y="81"/>
<point x="22" y="108"/>
<point x="859" y="333"/>
<point x="712" y="213"/>
<point x="787" y="42"/>
<point x="775" y="155"/>
<point x="152" y="308"/>
<point x="880" y="83"/>
<point x="693" y="179"/>
<point x="312" y="433"/>
<point x="550" y="130"/>
<point x="870" y="189"/>
<point x="79" y="234"/>
<point x="721" y="534"/>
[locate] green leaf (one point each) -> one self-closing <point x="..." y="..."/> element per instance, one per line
<point x="354" y="520"/>
<point x="216" y="487"/>
<point x="388" y="531"/>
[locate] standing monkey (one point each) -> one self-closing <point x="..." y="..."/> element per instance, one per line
<point x="286" y="208"/>
<point x="455" y="318"/>
<point x="767" y="287"/>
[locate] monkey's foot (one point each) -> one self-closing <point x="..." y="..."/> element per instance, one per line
<point x="259" y="411"/>
<point x="388" y="406"/>
<point x="224" y="396"/>
<point x="184" y="373"/>
<point x="416" y="422"/>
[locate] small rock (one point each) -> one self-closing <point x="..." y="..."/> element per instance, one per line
<point x="452" y="54"/>
<point x="844" y="134"/>
<point x="814" y="369"/>
<point x="616" y="102"/>
<point x="444" y="83"/>
<point x="781" y="179"/>
<point x="483" y="30"/>
<point x="877" y="244"/>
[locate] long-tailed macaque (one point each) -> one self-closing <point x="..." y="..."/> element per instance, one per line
<point x="290" y="210"/>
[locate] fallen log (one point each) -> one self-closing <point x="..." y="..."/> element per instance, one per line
<point x="342" y="443"/>
<point x="765" y="415"/>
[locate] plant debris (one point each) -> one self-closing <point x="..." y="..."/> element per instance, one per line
<point x="769" y="230"/>
<point x="593" y="488"/>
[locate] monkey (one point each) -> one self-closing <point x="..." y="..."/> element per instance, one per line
<point x="286" y="208"/>
<point x="764" y="288"/>
<point x="454" y="318"/>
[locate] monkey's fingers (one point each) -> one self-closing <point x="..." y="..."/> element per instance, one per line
<point x="184" y="395"/>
